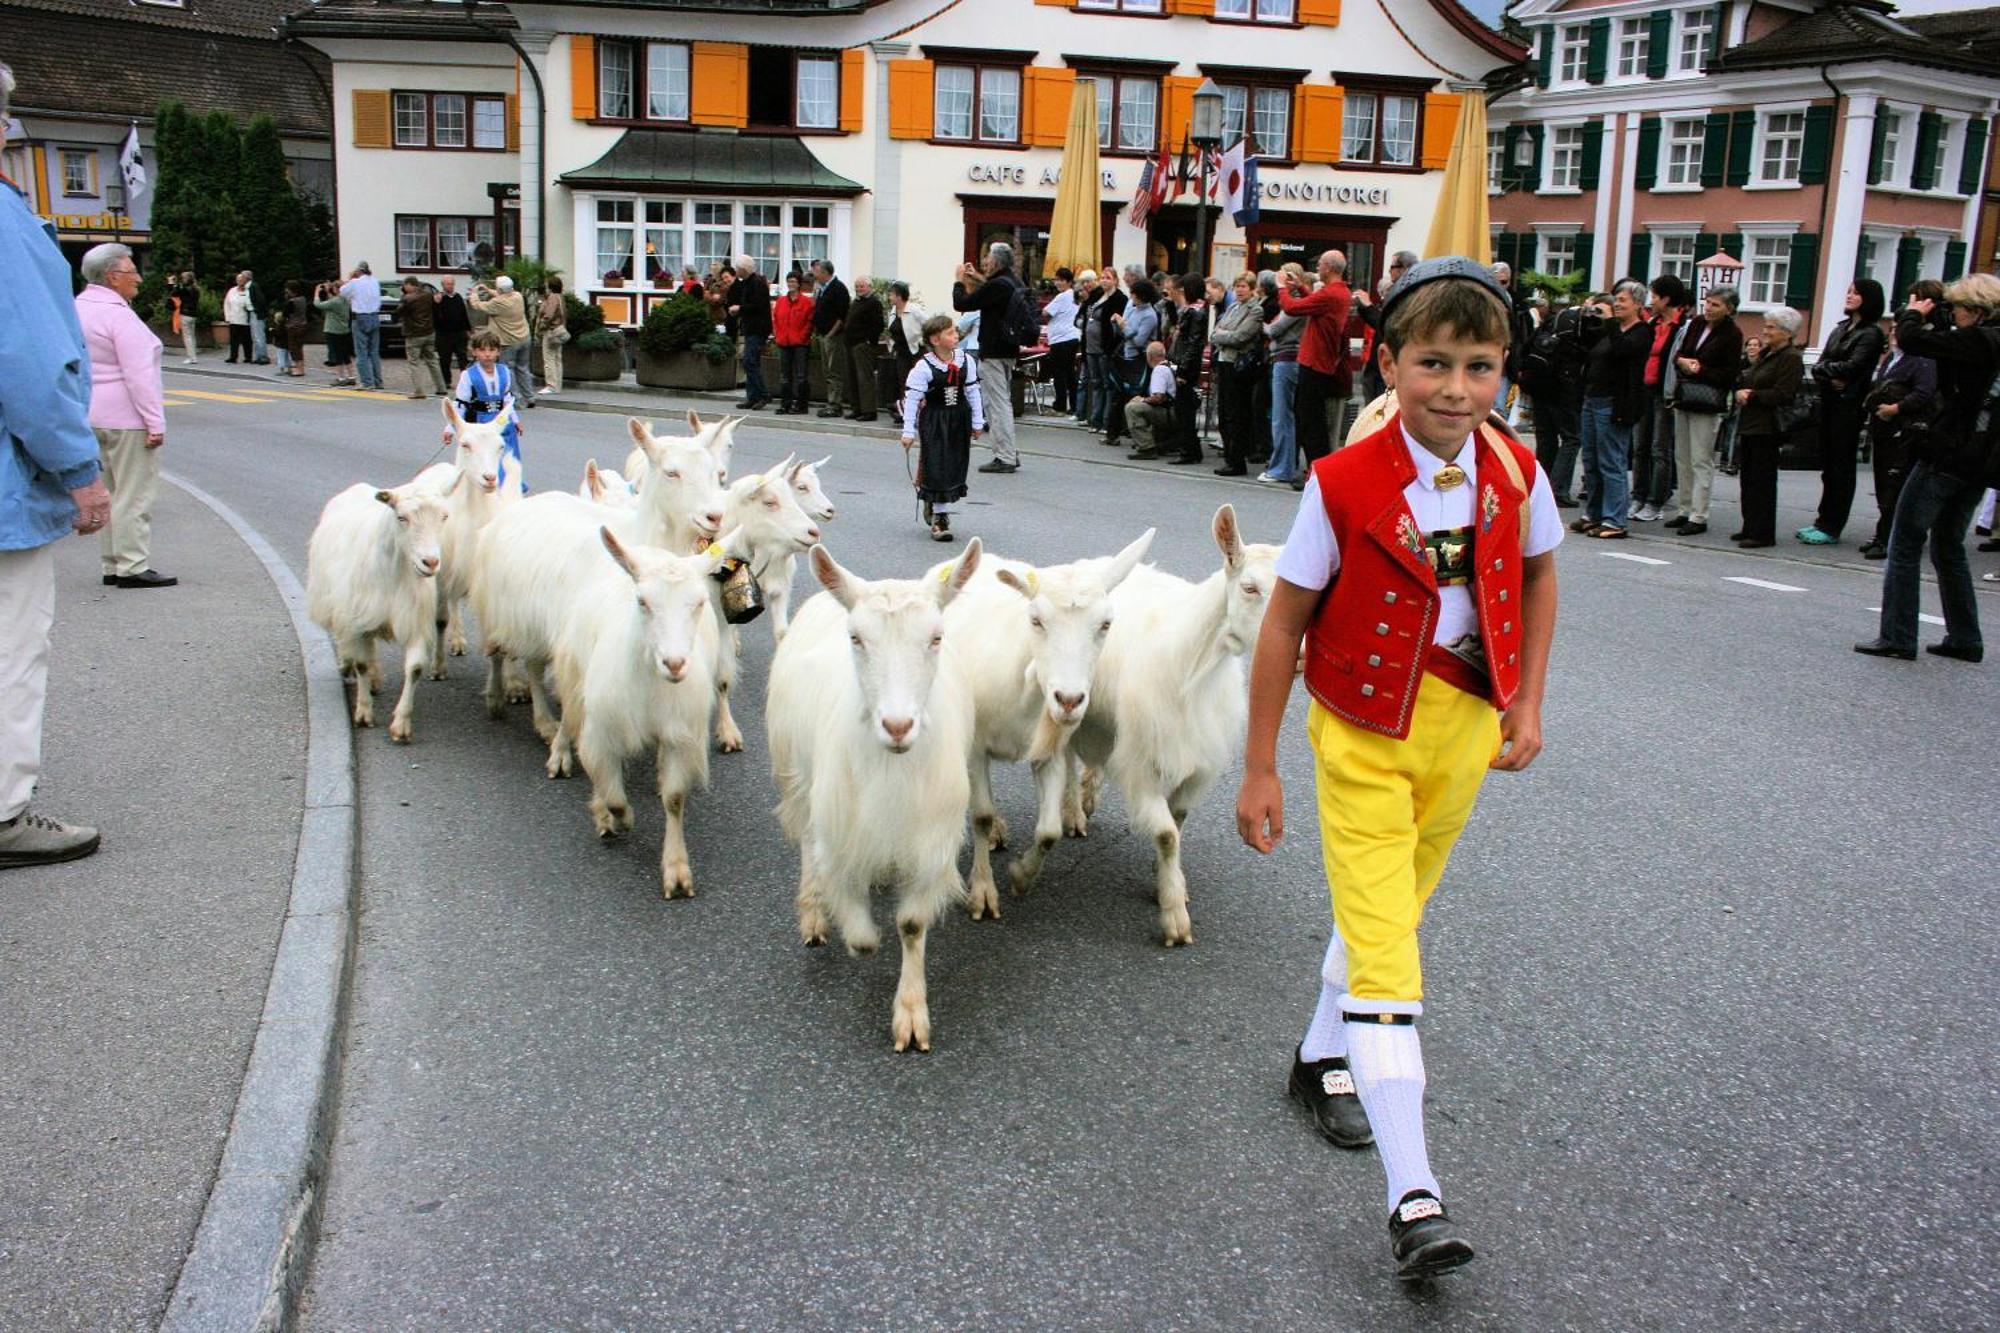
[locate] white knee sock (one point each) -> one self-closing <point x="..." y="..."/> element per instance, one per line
<point x="1326" y="1039"/>
<point x="1388" y="1065"/>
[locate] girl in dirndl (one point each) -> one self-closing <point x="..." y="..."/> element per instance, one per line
<point x="942" y="410"/>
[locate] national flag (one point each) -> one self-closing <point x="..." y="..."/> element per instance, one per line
<point x="132" y="165"/>
<point x="1252" y="207"/>
<point x="1142" y="198"/>
<point x="1183" y="172"/>
<point x="1229" y="176"/>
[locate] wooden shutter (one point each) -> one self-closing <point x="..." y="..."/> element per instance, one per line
<point x="1930" y="138"/>
<point x="1732" y="245"/>
<point x="1706" y="243"/>
<point x="371" y="118"/>
<point x="1198" y="8"/>
<point x="1646" y="171"/>
<point x="912" y="93"/>
<point x="1524" y="252"/>
<point x="1954" y="261"/>
<point x="1641" y="261"/>
<point x="582" y="76"/>
<point x="853" y="89"/>
<point x="1441" y="112"/>
<point x="1510" y="175"/>
<point x="719" y="84"/>
<point x="1972" y="167"/>
<point x="1742" y="135"/>
<point x="1909" y="263"/>
<point x="1586" y="249"/>
<point x="1864" y="256"/>
<point x="1545" y="58"/>
<point x="1597" y="55"/>
<point x="1817" y="153"/>
<point x="513" y="122"/>
<point x="1177" y="106"/>
<point x="1803" y="272"/>
<point x="1592" y="168"/>
<point x="1045" y="97"/>
<point x="1659" y="43"/>
<point x="1532" y="179"/>
<point x="1325" y="13"/>
<point x="1715" y="150"/>
<point x="1318" y="110"/>
<point x="1876" y="143"/>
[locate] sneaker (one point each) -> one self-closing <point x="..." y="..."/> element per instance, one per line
<point x="1326" y="1089"/>
<point x="1645" y="514"/>
<point x="548" y="391"/>
<point x="34" y="840"/>
<point x="1424" y="1239"/>
<point x="1270" y="480"/>
<point x="1814" y="537"/>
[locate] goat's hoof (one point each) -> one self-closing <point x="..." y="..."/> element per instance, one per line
<point x="1020" y="879"/>
<point x="813" y="938"/>
<point x="983" y="901"/>
<point x="518" y="694"/>
<point x="557" y="768"/>
<point x="996" y="834"/>
<point x="729" y="742"/>
<point x="438" y="672"/>
<point x="364" y="719"/>
<point x="677" y="884"/>
<point x="458" y="647"/>
<point x="1175" y="928"/>
<point x="1076" y="828"/>
<point x="912" y="1026"/>
<point x="399" y="732"/>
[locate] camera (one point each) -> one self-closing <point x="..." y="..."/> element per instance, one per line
<point x="1591" y="322"/>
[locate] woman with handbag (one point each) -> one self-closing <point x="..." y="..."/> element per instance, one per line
<point x="552" y="320"/>
<point x="1707" y="356"/>
<point x="1900" y="404"/>
<point x="1842" y="373"/>
<point x="1769" y="391"/>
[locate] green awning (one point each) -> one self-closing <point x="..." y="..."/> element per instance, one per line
<point x="711" y="161"/>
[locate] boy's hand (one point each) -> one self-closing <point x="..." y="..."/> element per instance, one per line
<point x="1260" y="811"/>
<point x="1520" y="738"/>
<point x="909" y="440"/>
<point x="977" y="433"/>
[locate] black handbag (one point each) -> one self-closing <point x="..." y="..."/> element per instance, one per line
<point x="1704" y="399"/>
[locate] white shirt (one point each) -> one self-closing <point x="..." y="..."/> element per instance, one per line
<point x="1161" y="383"/>
<point x="363" y="293"/>
<point x="1061" y="316"/>
<point x="1311" y="555"/>
<point x="236" y="306"/>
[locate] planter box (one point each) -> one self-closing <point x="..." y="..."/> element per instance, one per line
<point x="592" y="366"/>
<point x="685" y="370"/>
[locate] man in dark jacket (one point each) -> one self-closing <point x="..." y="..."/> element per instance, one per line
<point x="866" y="323"/>
<point x="830" y="304"/>
<point x="1184" y="354"/>
<point x="454" y="326"/>
<point x="750" y="304"/>
<point x="991" y="296"/>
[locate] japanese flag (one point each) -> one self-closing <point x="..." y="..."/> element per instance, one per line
<point x="1234" y="177"/>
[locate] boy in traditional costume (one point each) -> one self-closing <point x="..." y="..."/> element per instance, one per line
<point x="1420" y="576"/>
<point x="486" y="389"/>
<point x="943" y="411"/>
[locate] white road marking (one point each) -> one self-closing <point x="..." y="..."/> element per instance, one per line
<point x="1761" y="583"/>
<point x="1635" y="559"/>
<point x="1924" y="616"/>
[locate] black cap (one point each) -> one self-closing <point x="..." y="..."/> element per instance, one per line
<point x="1445" y="266"/>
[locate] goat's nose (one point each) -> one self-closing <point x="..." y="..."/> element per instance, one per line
<point x="812" y="534"/>
<point x="430" y="564"/>
<point x="675" y="667"/>
<point x="489" y="479"/>
<point x="899" y="728"/>
<point x="1069" y="703"/>
<point x="714" y="517"/>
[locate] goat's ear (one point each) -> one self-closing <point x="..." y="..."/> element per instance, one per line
<point x="387" y="498"/>
<point x="961" y="573"/>
<point x="642" y="437"/>
<point x="592" y="480"/>
<point x="1228" y="539"/>
<point x="618" y="552"/>
<point x="1128" y="559"/>
<point x="822" y="463"/>
<point x="694" y="421"/>
<point x="783" y="470"/>
<point x="834" y="579"/>
<point x="451" y="416"/>
<point x="1016" y="582"/>
<point x="729" y="545"/>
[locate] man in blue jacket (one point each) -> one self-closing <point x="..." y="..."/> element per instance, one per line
<point x="49" y="485"/>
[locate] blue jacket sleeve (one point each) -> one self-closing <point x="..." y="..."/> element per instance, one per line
<point x="44" y="374"/>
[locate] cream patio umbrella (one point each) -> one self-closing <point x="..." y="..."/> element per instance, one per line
<point x="1460" y="225"/>
<point x="1076" y="230"/>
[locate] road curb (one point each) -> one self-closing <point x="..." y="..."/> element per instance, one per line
<point x="248" y="1260"/>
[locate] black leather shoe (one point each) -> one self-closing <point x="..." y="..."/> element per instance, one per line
<point x="1326" y="1088"/>
<point x="110" y="580"/>
<point x="995" y="466"/>
<point x="831" y="412"/>
<point x="1424" y="1240"/>
<point x="1232" y="472"/>
<point x="1955" y="652"/>
<point x="1883" y="648"/>
<point x="145" y="578"/>
<point x="1568" y="502"/>
<point x="1182" y="460"/>
<point x="1692" y="529"/>
<point x="1138" y="455"/>
<point x="1874" y="551"/>
<point x="1674" y="524"/>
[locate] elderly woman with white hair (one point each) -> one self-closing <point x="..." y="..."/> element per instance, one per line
<point x="1770" y="386"/>
<point x="127" y="412"/>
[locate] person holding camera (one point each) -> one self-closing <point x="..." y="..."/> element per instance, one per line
<point x="336" y="318"/>
<point x="1614" y="396"/>
<point x="1900" y="403"/>
<point x="506" y="312"/>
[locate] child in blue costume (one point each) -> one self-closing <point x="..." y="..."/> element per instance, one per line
<point x="485" y="390"/>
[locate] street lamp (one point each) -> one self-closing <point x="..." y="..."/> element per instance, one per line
<point x="1206" y="132"/>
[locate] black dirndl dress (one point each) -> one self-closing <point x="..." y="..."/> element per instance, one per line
<point x="944" y="434"/>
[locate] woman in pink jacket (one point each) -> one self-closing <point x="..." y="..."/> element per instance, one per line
<point x="126" y="412"/>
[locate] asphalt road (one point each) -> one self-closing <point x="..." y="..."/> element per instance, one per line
<point x="1708" y="1018"/>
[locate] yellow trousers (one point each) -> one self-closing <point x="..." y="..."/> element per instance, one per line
<point x="1389" y="812"/>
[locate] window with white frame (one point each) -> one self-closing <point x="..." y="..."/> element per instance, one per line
<point x="1684" y="140"/>
<point x="812" y="234"/>
<point x="1128" y="109"/>
<point x="1673" y="253"/>
<point x="1379" y="127"/>
<point x="614" y="237"/>
<point x="1357" y="130"/>
<point x="764" y="237"/>
<point x="413" y="243"/>
<point x="79" y="171"/>
<point x="1889" y="124"/>
<point x="714" y="236"/>
<point x="1000" y="105"/>
<point x="665" y="241"/>
<point x="1261" y="115"/>
<point x="652" y="240"/>
<point x="1260" y="11"/>
<point x="1634" y="37"/>
<point x="642" y="80"/>
<point x="666" y="81"/>
<point x="816" y="93"/>
<point x="1784" y="146"/>
<point x="448" y="124"/>
<point x="1558" y="256"/>
<point x="1769" y="268"/>
<point x="616" y="94"/>
<point x="977" y="102"/>
<point x="1496" y="159"/>
<point x="431" y="244"/>
<point x="1572" y="52"/>
<point x="1565" y="158"/>
<point x="412" y="124"/>
<point x="1697" y="37"/>
<point x="489" y="123"/>
<point x="450" y="120"/>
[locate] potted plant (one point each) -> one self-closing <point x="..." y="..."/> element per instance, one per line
<point x="593" y="352"/>
<point x="614" y="277"/>
<point x="680" y="348"/>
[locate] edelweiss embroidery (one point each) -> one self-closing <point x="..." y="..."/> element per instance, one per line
<point x="1407" y="534"/>
<point x="1489" y="507"/>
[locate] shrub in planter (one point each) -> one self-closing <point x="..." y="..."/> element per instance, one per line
<point x="596" y="355"/>
<point x="680" y="349"/>
<point x="580" y="317"/>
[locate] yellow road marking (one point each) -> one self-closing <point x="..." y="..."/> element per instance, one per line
<point x="217" y="397"/>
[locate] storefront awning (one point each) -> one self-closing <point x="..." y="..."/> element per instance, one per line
<point x="709" y="161"/>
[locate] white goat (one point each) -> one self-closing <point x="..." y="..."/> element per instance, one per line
<point x="722" y="431"/>
<point x="1171" y="705"/>
<point x="1030" y="639"/>
<point x="774" y="577"/>
<point x="607" y="486"/>
<point x="371" y="573"/>
<point x="471" y="482"/>
<point x="766" y="524"/>
<point x="538" y="551"/>
<point x="632" y="669"/>
<point x="869" y="718"/>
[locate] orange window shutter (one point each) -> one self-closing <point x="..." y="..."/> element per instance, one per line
<point x="1199" y="8"/>
<point x="853" y="88"/>
<point x="719" y="84"/>
<point x="911" y="90"/>
<point x="1323" y="12"/>
<point x="1177" y="92"/>
<point x="1049" y="91"/>
<point x="513" y="122"/>
<point x="1440" y="124"/>
<point x="582" y="76"/>
<point x="1059" y="4"/>
<point x="1319" y="110"/>
<point x="371" y="118"/>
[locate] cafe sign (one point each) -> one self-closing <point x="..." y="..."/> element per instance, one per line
<point x="1008" y="173"/>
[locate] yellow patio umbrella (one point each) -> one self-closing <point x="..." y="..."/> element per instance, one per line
<point x="1460" y="227"/>
<point x="1076" y="231"/>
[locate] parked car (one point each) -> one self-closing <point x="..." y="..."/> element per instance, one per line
<point x="392" y="328"/>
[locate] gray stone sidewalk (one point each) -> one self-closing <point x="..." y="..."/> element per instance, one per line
<point x="131" y="983"/>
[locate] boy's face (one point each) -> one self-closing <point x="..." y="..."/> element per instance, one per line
<point x="486" y="356"/>
<point x="1445" y="386"/>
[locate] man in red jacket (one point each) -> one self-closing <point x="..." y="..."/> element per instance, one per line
<point x="1324" y="378"/>
<point x="792" y="331"/>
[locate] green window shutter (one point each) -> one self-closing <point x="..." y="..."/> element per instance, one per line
<point x="1510" y="175"/>
<point x="1876" y="144"/>
<point x="1706" y="244"/>
<point x="1715" y="35"/>
<point x="1598" y="54"/>
<point x="1647" y="174"/>
<point x="1533" y="179"/>
<point x="1585" y="244"/>
<point x="1954" y="261"/>
<point x="1504" y="249"/>
<point x="1742" y="134"/>
<point x="1545" y="59"/>
<point x="1640" y="265"/>
<point x="1864" y="256"/>
<point x="1930" y="133"/>
<point x="1593" y="155"/>
<point x="1524" y="252"/>
<point x="1909" y="263"/>
<point x="1659" y="43"/>
<point x="1714" y="149"/>
<point x="1803" y="272"/>
<point x="1972" y="170"/>
<point x="1732" y="245"/>
<point x="1818" y="149"/>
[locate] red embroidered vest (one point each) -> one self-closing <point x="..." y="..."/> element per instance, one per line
<point x="1370" y="641"/>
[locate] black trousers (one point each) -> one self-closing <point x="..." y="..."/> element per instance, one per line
<point x="452" y="354"/>
<point x="1891" y="460"/>
<point x="1839" y="443"/>
<point x="1187" y="418"/>
<point x="239" y="341"/>
<point x="1316" y="393"/>
<point x="1126" y="376"/>
<point x="1062" y="374"/>
<point x="792" y="383"/>
<point x="1758" y="456"/>
<point x="1236" y="386"/>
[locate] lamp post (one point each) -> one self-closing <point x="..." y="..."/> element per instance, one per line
<point x="1205" y="131"/>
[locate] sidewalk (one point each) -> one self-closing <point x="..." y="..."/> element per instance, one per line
<point x="132" y="982"/>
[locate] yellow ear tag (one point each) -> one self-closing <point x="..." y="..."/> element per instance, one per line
<point x="755" y="480"/>
<point x="944" y="575"/>
<point x="1034" y="583"/>
<point x="713" y="551"/>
